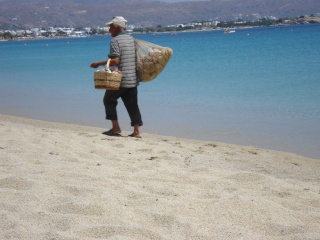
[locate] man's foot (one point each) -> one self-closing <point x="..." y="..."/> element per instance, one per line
<point x="112" y="133"/>
<point x="136" y="132"/>
<point x="134" y="135"/>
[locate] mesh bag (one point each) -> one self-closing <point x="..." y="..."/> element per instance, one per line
<point x="151" y="59"/>
<point x="105" y="79"/>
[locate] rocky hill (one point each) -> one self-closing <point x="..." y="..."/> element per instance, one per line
<point x="80" y="13"/>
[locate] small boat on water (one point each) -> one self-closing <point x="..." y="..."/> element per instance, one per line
<point x="228" y="30"/>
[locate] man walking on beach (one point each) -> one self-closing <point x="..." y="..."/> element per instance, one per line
<point x="123" y="55"/>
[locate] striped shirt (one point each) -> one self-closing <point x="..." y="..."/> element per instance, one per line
<point x="122" y="46"/>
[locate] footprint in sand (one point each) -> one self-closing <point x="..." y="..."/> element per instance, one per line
<point x="115" y="231"/>
<point x="15" y="183"/>
<point x="71" y="208"/>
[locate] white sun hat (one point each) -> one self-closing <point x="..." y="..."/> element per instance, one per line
<point x="118" y="21"/>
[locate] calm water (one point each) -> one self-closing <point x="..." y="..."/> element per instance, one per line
<point x="258" y="87"/>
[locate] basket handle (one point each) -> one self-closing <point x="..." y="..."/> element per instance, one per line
<point x="108" y="64"/>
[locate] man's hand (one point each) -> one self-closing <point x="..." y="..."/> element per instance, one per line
<point x="94" y="65"/>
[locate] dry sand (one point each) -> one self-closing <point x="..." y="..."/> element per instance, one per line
<point x="61" y="181"/>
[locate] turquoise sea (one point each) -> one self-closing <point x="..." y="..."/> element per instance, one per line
<point x="258" y="86"/>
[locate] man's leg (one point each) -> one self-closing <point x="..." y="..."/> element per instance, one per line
<point x="110" y="101"/>
<point x="130" y="100"/>
<point x="136" y="131"/>
<point x="115" y="126"/>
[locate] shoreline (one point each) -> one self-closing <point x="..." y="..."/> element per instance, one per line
<point x="68" y="181"/>
<point x="222" y="29"/>
<point x="81" y="127"/>
<point x="258" y="139"/>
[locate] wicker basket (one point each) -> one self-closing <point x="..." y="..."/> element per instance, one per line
<point x="105" y="79"/>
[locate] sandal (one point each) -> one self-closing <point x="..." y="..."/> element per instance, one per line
<point x="111" y="133"/>
<point x="131" y="135"/>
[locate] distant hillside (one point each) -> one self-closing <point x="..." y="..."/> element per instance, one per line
<point x="80" y="13"/>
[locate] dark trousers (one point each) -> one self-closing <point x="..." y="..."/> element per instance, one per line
<point x="129" y="97"/>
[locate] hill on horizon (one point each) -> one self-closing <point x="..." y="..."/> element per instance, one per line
<point x="93" y="13"/>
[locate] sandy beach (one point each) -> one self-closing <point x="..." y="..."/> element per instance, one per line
<point x="63" y="181"/>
